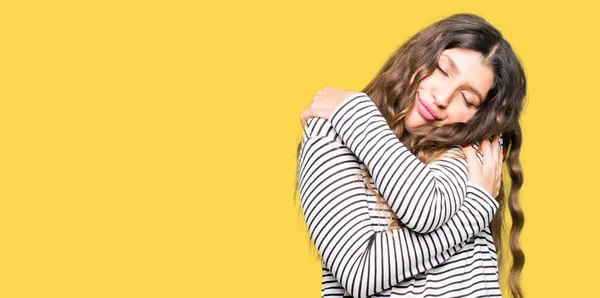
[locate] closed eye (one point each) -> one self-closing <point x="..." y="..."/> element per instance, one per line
<point x="440" y="68"/>
<point x="469" y="104"/>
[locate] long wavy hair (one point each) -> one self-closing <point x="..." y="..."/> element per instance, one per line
<point x="393" y="90"/>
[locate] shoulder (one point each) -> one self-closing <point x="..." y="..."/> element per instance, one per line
<point x="452" y="158"/>
<point x="455" y="156"/>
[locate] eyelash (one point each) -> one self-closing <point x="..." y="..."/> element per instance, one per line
<point x="440" y="68"/>
<point x="470" y="105"/>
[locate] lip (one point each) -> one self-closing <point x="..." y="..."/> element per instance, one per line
<point x="426" y="111"/>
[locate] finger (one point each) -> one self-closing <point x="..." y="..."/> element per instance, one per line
<point x="497" y="179"/>
<point x="302" y="119"/>
<point x="307" y="113"/>
<point x="486" y="150"/>
<point x="498" y="185"/>
<point x="473" y="166"/>
<point x="500" y="158"/>
<point x="495" y="147"/>
<point x="500" y="147"/>
<point x="499" y="173"/>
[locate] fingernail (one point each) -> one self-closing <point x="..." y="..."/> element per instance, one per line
<point x="465" y="145"/>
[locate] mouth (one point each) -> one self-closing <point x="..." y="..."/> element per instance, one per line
<point x="425" y="110"/>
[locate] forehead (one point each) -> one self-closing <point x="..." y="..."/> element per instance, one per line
<point x="470" y="67"/>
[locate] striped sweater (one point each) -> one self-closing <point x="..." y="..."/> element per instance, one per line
<point x="444" y="249"/>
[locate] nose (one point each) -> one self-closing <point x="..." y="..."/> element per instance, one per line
<point x="442" y="97"/>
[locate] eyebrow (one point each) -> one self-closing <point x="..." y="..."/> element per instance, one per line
<point x="453" y="65"/>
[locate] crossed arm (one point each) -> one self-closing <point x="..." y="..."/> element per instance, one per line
<point x="335" y="207"/>
<point x="423" y="197"/>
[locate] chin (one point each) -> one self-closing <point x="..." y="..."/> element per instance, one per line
<point x="420" y="131"/>
<point x="415" y="125"/>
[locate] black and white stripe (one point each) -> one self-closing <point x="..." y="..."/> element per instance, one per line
<point x="445" y="251"/>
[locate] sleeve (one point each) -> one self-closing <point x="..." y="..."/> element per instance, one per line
<point x="424" y="197"/>
<point x="335" y="208"/>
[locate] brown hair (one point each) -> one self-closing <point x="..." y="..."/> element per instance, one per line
<point x="393" y="90"/>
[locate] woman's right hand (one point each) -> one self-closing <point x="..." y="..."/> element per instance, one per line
<point x="489" y="174"/>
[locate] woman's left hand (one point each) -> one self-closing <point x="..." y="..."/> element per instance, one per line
<point x="324" y="102"/>
<point x="489" y="174"/>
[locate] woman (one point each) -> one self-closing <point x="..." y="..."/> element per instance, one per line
<point x="455" y="82"/>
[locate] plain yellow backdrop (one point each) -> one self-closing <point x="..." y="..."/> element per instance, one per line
<point x="147" y="148"/>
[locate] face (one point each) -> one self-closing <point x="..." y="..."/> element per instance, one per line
<point x="452" y="93"/>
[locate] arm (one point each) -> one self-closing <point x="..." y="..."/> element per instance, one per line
<point x="334" y="205"/>
<point x="424" y="197"/>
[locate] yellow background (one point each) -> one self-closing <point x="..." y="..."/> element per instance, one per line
<point x="147" y="148"/>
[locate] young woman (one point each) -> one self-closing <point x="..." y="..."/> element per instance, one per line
<point x="456" y="82"/>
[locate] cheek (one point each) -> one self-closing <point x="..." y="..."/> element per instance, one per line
<point x="412" y="120"/>
<point x="460" y="113"/>
<point x="428" y="82"/>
